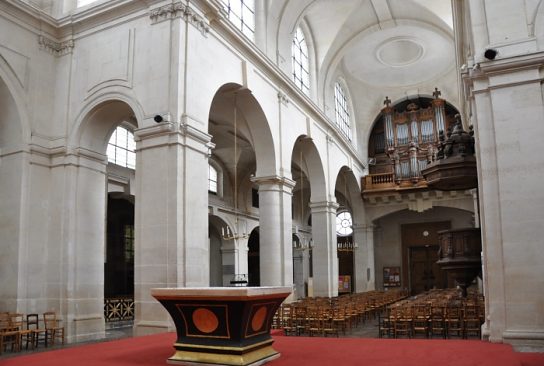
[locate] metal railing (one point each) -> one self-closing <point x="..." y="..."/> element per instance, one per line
<point x="118" y="309"/>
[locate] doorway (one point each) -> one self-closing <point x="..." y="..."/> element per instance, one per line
<point x="420" y="272"/>
<point x="424" y="272"/>
<point x="253" y="259"/>
<point x="119" y="264"/>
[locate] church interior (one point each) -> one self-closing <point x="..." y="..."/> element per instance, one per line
<point x="374" y="156"/>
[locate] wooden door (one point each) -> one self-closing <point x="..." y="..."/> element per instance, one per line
<point x="424" y="272"/>
<point x="419" y="256"/>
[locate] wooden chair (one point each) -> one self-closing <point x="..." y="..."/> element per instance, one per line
<point x="9" y="335"/>
<point x="437" y="325"/>
<point x="314" y="321"/>
<point x="300" y="319"/>
<point x="385" y="324"/>
<point x="403" y="322"/>
<point x="454" y="320"/>
<point x="52" y="326"/>
<point x="339" y="318"/>
<point x="37" y="334"/>
<point x="471" y="321"/>
<point x="420" y="323"/>
<point x="328" y="322"/>
<point x="17" y="321"/>
<point x="288" y="319"/>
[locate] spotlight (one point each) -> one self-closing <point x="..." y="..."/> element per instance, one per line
<point x="158" y="118"/>
<point x="490" y="53"/>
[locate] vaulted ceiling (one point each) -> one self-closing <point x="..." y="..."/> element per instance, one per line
<point x="395" y="48"/>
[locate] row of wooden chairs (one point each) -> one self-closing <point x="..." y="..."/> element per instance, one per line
<point x="441" y="313"/>
<point x="331" y="316"/>
<point x="16" y="330"/>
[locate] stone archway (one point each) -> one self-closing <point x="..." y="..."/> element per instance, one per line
<point x="12" y="166"/>
<point x="245" y="148"/>
<point x="89" y="206"/>
<point x="396" y="233"/>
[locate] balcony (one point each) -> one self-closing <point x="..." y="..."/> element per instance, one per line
<point x="376" y="184"/>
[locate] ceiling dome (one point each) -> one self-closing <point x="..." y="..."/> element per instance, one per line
<point x="403" y="56"/>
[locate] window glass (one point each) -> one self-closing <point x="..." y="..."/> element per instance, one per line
<point x="242" y="14"/>
<point x="212" y="179"/>
<point x="301" y="73"/>
<point x="342" y="111"/>
<point x="121" y="147"/>
<point x="344" y="224"/>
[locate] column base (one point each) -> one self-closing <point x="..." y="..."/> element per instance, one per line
<point x="220" y="357"/>
<point x="525" y="341"/>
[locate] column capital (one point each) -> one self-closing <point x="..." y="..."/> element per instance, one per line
<point x="271" y="181"/>
<point x="171" y="133"/>
<point x="323" y="206"/>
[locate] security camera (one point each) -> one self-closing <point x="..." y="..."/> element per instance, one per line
<point x="158" y="118"/>
<point x="490" y="53"/>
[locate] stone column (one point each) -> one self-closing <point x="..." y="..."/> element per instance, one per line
<point x="171" y="218"/>
<point x="325" y="252"/>
<point x="363" y="236"/>
<point x="234" y="257"/>
<point x="276" y="252"/>
<point x="298" y="272"/>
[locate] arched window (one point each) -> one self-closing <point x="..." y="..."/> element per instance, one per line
<point x="121" y="148"/>
<point x="344" y="224"/>
<point x="212" y="179"/>
<point x="301" y="64"/>
<point x="342" y="110"/>
<point x="242" y="14"/>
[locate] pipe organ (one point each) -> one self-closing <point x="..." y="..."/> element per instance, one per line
<point x="405" y="139"/>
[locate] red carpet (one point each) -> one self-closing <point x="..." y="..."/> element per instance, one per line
<point x="297" y="351"/>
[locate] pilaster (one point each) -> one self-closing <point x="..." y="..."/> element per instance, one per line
<point x="276" y="252"/>
<point x="364" y="269"/>
<point x="171" y="218"/>
<point x="325" y="251"/>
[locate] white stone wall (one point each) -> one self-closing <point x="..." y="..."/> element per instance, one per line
<point x="507" y="111"/>
<point x="74" y="88"/>
<point x="387" y="234"/>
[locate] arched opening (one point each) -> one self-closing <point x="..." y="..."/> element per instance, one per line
<point x="405" y="138"/>
<point x="244" y="149"/>
<point x="406" y="247"/>
<point x="107" y="130"/>
<point x="307" y="172"/>
<point x="119" y="261"/>
<point x="220" y="270"/>
<point x="11" y="185"/>
<point x="253" y="259"/>
<point x="347" y="194"/>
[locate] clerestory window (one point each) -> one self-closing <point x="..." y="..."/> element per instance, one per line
<point x="121" y="148"/>
<point x="301" y="63"/>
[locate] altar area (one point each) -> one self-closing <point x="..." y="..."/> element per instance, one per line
<point x="222" y="325"/>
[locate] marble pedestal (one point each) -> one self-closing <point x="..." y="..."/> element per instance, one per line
<point x="222" y="325"/>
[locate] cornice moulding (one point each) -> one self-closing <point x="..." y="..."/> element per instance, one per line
<point x="56" y="48"/>
<point x="249" y="50"/>
<point x="104" y="14"/>
<point x="28" y="17"/>
<point x="534" y="60"/>
<point x="179" y="10"/>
